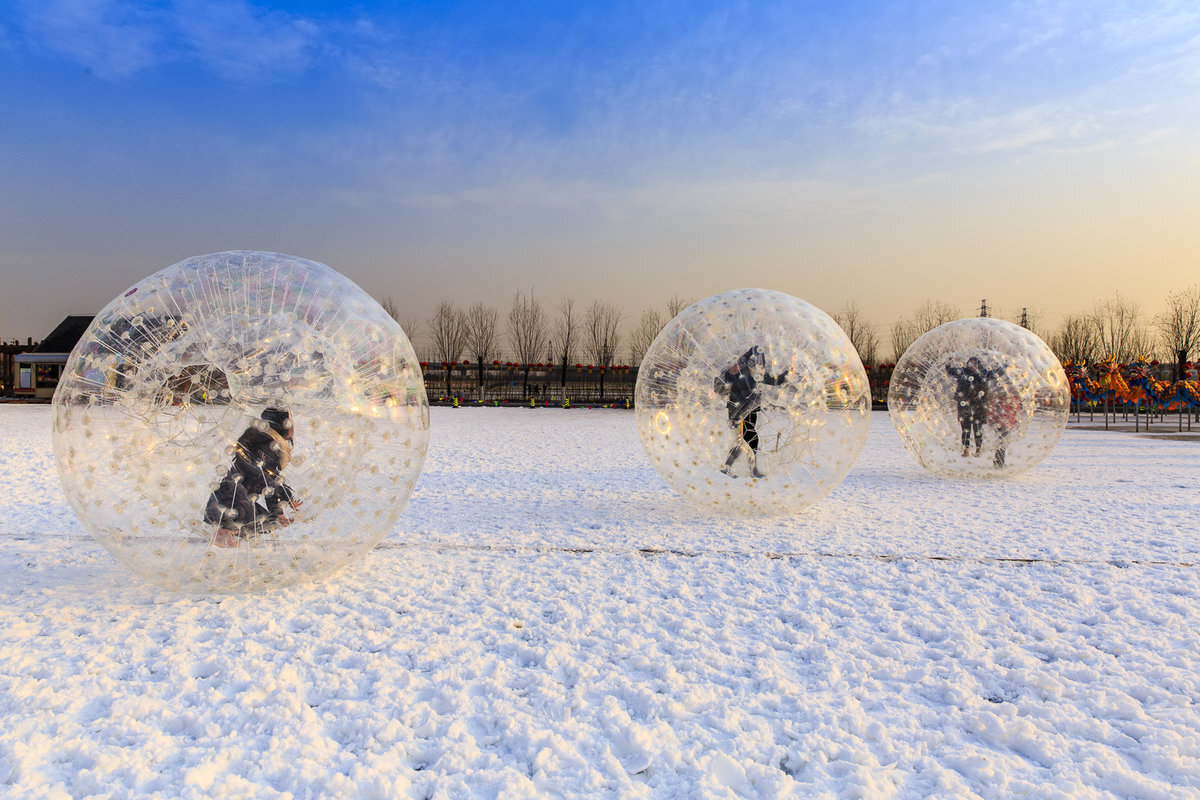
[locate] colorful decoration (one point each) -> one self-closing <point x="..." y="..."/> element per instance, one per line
<point x="1132" y="384"/>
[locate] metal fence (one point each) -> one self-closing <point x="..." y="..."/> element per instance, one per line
<point x="522" y="384"/>
<point x="578" y="384"/>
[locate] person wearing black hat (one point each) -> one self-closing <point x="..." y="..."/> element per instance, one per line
<point x="744" y="403"/>
<point x="252" y="497"/>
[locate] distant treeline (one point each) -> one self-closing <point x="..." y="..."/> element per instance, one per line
<point x="602" y="336"/>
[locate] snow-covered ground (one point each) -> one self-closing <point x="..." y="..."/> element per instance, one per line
<point x="549" y="620"/>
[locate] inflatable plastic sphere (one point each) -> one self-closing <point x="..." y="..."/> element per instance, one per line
<point x="240" y="421"/>
<point x="752" y="401"/>
<point x="979" y="398"/>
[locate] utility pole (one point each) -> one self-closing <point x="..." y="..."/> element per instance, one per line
<point x="1025" y="318"/>
<point x="983" y="309"/>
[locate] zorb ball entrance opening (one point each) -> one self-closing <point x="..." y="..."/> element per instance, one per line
<point x="240" y="421"/>
<point x="753" y="401"/>
<point x="978" y="398"/>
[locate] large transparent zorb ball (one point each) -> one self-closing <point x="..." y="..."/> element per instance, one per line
<point x="240" y="421"/>
<point x="979" y="398"/>
<point x="753" y="401"/>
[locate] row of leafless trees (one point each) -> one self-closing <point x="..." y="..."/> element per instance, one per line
<point x="597" y="335"/>
<point x="1116" y="327"/>
<point x="530" y="334"/>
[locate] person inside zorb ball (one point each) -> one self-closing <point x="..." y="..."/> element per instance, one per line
<point x="752" y="401"/>
<point x="979" y="397"/>
<point x="252" y="497"/>
<point x="744" y="404"/>
<point x="240" y="421"/>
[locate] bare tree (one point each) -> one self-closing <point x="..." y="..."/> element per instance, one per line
<point x="526" y="331"/>
<point x="644" y="334"/>
<point x="675" y="305"/>
<point x="602" y="336"/>
<point x="1075" y="340"/>
<point x="409" y="325"/>
<point x="861" y="332"/>
<point x="602" y="332"/>
<point x="447" y="332"/>
<point x="651" y="324"/>
<point x="391" y="307"/>
<point x="412" y="329"/>
<point x="931" y="314"/>
<point x="483" y="337"/>
<point x="566" y="334"/>
<point x="1145" y="343"/>
<point x="448" y="335"/>
<point x="1118" y="330"/>
<point x="526" y="327"/>
<point x="903" y="334"/>
<point x="1179" y="326"/>
<point x="928" y="316"/>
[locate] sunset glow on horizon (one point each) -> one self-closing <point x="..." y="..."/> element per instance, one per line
<point x="1041" y="156"/>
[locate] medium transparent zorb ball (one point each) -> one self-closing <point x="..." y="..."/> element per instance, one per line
<point x="753" y="401"/>
<point x="979" y="398"/>
<point x="240" y="421"/>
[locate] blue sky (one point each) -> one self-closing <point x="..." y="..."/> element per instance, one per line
<point x="1037" y="154"/>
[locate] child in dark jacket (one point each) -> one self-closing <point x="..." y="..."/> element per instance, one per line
<point x="252" y="497"/>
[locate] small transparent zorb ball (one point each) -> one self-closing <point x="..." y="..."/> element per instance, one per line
<point x="240" y="421"/>
<point x="753" y="401"/>
<point x="978" y="398"/>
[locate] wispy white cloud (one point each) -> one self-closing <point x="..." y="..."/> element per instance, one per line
<point x="1042" y="78"/>
<point x="964" y="126"/>
<point x="117" y="39"/>
<point x="240" y="41"/>
<point x="113" y="39"/>
<point x="1151" y="22"/>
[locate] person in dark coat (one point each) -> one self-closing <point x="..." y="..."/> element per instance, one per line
<point x="971" y="384"/>
<point x="252" y="497"/>
<point x="744" y="403"/>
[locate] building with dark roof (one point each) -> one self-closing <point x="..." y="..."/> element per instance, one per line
<point x="36" y="372"/>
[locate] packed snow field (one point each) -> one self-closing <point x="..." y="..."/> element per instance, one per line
<point x="550" y="620"/>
